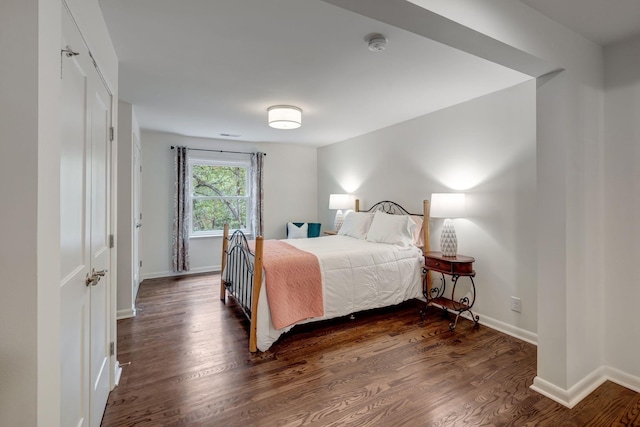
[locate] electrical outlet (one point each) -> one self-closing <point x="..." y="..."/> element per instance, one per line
<point x="516" y="304"/>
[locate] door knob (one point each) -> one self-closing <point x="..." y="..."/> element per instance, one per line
<point x="100" y="273"/>
<point x="91" y="280"/>
<point x="94" y="278"/>
<point x="138" y="225"/>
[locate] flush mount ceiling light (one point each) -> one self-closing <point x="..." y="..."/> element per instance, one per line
<point x="284" y="117"/>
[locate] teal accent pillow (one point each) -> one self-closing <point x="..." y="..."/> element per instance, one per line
<point x="314" y="229"/>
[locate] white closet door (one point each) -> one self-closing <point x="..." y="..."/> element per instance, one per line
<point x="84" y="235"/>
<point x="137" y="213"/>
<point x="100" y="252"/>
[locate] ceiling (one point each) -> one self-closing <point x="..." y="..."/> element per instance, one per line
<point x="212" y="68"/>
<point x="209" y="68"/>
<point x="601" y="21"/>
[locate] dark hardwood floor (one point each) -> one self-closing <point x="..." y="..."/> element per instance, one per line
<point x="190" y="366"/>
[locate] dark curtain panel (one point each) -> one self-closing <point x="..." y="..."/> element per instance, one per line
<point x="181" y="211"/>
<point x="257" y="196"/>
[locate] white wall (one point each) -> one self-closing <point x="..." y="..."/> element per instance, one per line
<point x="127" y="129"/>
<point x="30" y="34"/>
<point x="290" y="193"/>
<point x="484" y="147"/>
<point x="570" y="190"/>
<point x="622" y="203"/>
<point x="569" y="213"/>
<point x="19" y="81"/>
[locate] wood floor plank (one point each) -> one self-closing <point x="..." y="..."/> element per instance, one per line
<point x="190" y="366"/>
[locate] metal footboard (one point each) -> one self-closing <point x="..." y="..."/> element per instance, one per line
<point x="241" y="276"/>
<point x="237" y="275"/>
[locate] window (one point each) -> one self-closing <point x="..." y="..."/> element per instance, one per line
<point x="220" y="194"/>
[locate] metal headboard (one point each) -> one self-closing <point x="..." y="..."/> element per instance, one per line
<point x="390" y="207"/>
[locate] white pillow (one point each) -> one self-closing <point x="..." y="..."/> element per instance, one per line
<point x="356" y="224"/>
<point x="295" y="232"/>
<point x="391" y="229"/>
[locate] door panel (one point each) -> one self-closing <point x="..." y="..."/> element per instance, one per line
<point x="73" y="211"/>
<point x="137" y="215"/>
<point x="74" y="236"/>
<point x="100" y="252"/>
<point x="85" y="194"/>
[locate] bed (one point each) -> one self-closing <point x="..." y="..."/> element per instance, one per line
<point x="374" y="261"/>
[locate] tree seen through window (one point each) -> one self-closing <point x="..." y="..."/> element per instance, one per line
<point x="219" y="196"/>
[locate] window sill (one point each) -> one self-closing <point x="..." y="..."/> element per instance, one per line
<point x="217" y="234"/>
<point x="204" y="236"/>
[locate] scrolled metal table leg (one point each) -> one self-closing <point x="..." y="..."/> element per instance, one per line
<point x="464" y="304"/>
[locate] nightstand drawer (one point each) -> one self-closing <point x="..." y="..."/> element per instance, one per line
<point x="439" y="265"/>
<point x="446" y="266"/>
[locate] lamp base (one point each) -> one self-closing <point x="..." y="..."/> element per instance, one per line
<point x="448" y="239"/>
<point x="339" y="220"/>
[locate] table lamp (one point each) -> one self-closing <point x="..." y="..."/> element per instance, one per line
<point x="448" y="206"/>
<point x="340" y="202"/>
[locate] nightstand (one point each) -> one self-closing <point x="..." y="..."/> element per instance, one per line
<point x="456" y="267"/>
<point x="330" y="233"/>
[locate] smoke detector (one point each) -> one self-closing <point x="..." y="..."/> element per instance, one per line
<point x="377" y="43"/>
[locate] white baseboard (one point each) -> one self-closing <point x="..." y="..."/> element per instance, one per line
<point x="169" y="273"/>
<point x="621" y="378"/>
<point x="580" y="390"/>
<point x="573" y="395"/>
<point x="126" y="314"/>
<point x="505" y="328"/>
<point x="586" y="386"/>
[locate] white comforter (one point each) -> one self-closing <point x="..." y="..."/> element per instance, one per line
<point x="356" y="275"/>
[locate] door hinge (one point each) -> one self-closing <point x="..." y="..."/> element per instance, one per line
<point x="140" y="216"/>
<point x="112" y="348"/>
<point x="111" y="241"/>
<point x="95" y="64"/>
<point x="69" y="53"/>
<point x="140" y="263"/>
<point x="111" y="133"/>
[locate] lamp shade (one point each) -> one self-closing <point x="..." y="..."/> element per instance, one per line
<point x="284" y="117"/>
<point x="448" y="205"/>
<point x="341" y="201"/>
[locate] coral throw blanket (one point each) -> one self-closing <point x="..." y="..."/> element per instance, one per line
<point x="293" y="281"/>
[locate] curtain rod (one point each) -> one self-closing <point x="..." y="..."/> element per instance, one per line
<point x="218" y="151"/>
